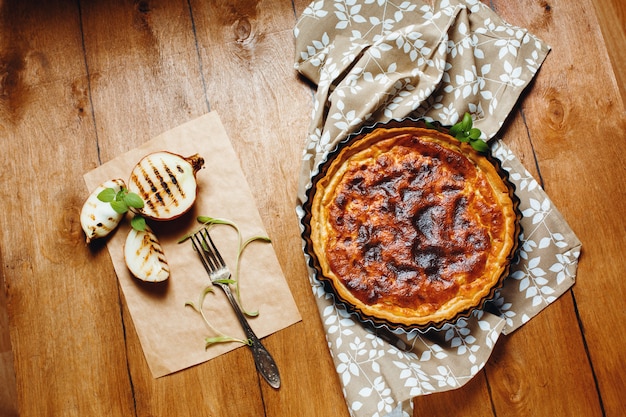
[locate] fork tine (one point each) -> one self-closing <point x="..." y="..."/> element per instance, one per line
<point x="208" y="251"/>
<point x="197" y="245"/>
<point x="215" y="255"/>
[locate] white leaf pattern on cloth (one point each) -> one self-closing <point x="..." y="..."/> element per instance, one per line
<point x="377" y="60"/>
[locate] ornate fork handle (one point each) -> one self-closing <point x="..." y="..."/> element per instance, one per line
<point x="263" y="361"/>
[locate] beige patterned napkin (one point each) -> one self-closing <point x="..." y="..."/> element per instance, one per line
<point x="378" y="60"/>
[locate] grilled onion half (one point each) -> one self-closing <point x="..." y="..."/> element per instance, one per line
<point x="167" y="184"/>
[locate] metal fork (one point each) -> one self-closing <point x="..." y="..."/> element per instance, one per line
<point x="218" y="272"/>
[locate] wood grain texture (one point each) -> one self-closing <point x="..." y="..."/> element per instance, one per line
<point x="612" y="21"/>
<point x="8" y="392"/>
<point x="475" y="402"/>
<point x="82" y="82"/>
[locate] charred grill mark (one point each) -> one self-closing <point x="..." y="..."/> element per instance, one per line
<point x="175" y="181"/>
<point x="152" y="246"/>
<point x="163" y="183"/>
<point x="156" y="199"/>
<point x="145" y="195"/>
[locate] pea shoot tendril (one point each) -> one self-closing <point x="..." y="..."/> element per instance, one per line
<point x="197" y="307"/>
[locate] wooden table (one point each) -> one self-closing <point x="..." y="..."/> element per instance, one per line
<point x="82" y="82"/>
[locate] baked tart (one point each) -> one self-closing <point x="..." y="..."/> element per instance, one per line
<point x="410" y="227"/>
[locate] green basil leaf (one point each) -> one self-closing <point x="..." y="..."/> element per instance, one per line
<point x="133" y="200"/>
<point x="480" y="145"/>
<point x="466" y="123"/>
<point x="456" y="129"/>
<point x="119" y="206"/>
<point x="107" y="195"/>
<point x="138" y="223"/>
<point x="461" y="137"/>
<point x="474" y="133"/>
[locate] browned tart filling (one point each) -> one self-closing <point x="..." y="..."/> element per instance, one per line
<point x="411" y="226"/>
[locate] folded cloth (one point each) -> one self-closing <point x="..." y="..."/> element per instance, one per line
<point x="378" y="60"/>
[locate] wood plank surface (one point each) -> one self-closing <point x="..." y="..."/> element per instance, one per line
<point x="82" y="82"/>
<point x="8" y="393"/>
<point x="612" y="21"/>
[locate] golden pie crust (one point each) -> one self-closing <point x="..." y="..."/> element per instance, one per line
<point x="412" y="227"/>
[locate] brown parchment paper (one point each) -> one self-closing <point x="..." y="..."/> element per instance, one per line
<point x="172" y="335"/>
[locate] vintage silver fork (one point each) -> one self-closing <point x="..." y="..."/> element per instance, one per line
<point x="218" y="272"/>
